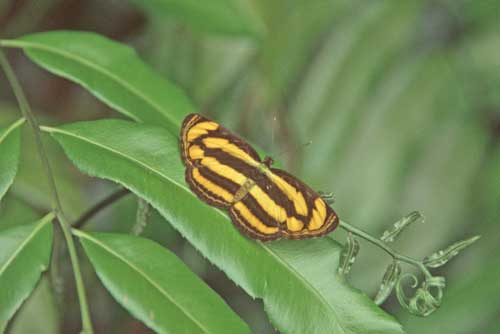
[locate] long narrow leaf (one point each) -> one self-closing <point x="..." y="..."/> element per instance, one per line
<point x="111" y="71"/>
<point x="296" y="279"/>
<point x="9" y="154"/>
<point x="24" y="255"/>
<point x="39" y="313"/>
<point x="156" y="287"/>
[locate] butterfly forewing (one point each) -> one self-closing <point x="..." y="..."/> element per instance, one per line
<point x="264" y="203"/>
<point x="216" y="160"/>
<point x="210" y="187"/>
<point x="198" y="132"/>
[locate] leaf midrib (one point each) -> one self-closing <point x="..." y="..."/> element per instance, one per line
<point x="32" y="45"/>
<point x="141" y="273"/>
<point x="11" y="128"/>
<point x="292" y="270"/>
<point x="21" y="247"/>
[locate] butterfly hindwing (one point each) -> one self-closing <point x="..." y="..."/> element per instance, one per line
<point x="311" y="215"/>
<point x="251" y="221"/>
<point x="261" y="210"/>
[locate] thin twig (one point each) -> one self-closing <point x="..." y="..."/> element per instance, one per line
<point x="100" y="206"/>
<point x="56" y="203"/>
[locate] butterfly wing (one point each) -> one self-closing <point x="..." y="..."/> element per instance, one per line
<point x="217" y="161"/>
<point x="260" y="213"/>
<point x="210" y="187"/>
<point x="308" y="215"/>
<point x="199" y="132"/>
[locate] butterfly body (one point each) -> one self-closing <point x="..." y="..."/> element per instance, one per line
<point x="265" y="203"/>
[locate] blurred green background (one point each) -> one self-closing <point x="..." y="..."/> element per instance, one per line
<point x="392" y="105"/>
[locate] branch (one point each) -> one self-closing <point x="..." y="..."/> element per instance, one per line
<point x="56" y="203"/>
<point x="100" y="206"/>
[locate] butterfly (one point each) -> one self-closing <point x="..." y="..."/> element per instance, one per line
<point x="264" y="203"/>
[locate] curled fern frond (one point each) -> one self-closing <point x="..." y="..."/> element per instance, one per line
<point x="427" y="297"/>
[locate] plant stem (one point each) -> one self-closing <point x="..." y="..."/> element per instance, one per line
<point x="56" y="203"/>
<point x="99" y="206"/>
<point x="395" y="255"/>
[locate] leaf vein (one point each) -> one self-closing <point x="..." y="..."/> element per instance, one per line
<point x="102" y="70"/>
<point x="11" y="128"/>
<point x="44" y="221"/>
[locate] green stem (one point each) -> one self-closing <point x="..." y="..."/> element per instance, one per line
<point x="379" y="243"/>
<point x="56" y="203"/>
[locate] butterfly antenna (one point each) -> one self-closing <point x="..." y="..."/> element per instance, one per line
<point x="273" y="127"/>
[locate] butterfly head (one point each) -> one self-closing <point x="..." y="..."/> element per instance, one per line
<point x="268" y="161"/>
<point x="263" y="168"/>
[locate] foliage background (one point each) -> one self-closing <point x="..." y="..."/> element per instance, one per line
<point x="399" y="100"/>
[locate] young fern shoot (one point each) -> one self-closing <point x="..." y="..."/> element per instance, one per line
<point x="429" y="293"/>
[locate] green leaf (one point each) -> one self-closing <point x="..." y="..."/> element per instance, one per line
<point x="30" y="184"/>
<point x="24" y="255"/>
<point x="156" y="287"/>
<point x="232" y="17"/>
<point x="9" y="156"/>
<point x="442" y="257"/>
<point x="39" y="313"/>
<point x="14" y="212"/>
<point x="297" y="280"/>
<point x="111" y="71"/>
